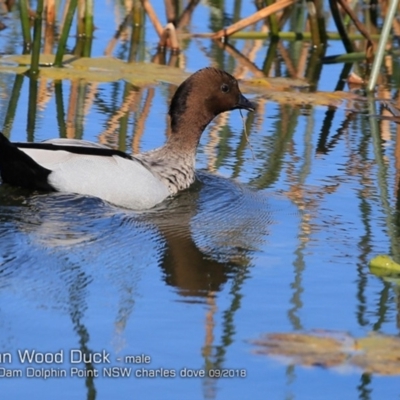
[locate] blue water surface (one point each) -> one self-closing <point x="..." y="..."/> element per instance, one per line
<point x="274" y="236"/>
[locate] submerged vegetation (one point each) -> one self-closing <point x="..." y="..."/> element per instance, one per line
<point x="374" y="354"/>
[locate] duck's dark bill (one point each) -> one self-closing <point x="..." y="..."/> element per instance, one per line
<point x="246" y="104"/>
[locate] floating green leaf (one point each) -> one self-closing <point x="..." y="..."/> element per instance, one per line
<point x="383" y="265"/>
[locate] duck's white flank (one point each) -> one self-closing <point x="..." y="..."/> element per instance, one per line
<point x="121" y="181"/>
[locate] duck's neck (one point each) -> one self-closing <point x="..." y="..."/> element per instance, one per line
<point x="174" y="163"/>
<point x="186" y="130"/>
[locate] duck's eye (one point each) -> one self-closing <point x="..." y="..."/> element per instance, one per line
<point x="225" y="88"/>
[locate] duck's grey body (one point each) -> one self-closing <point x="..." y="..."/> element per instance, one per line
<point x="137" y="182"/>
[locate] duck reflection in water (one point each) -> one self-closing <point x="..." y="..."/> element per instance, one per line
<point x="211" y="231"/>
<point x="204" y="236"/>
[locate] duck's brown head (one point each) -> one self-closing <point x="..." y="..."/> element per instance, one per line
<point x="202" y="96"/>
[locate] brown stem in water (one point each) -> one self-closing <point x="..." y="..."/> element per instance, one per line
<point x="240" y="58"/>
<point x="252" y="19"/>
<point x="170" y="11"/>
<point x="153" y="17"/>
<point x="169" y="37"/>
<point x="360" y="26"/>
<point x="184" y="19"/>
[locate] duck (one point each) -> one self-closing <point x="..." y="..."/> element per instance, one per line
<point x="139" y="181"/>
